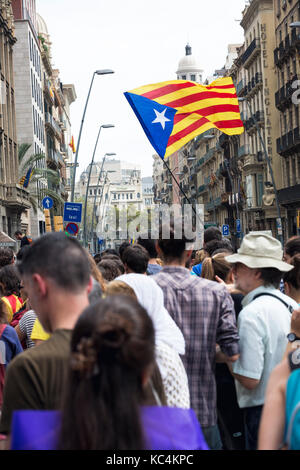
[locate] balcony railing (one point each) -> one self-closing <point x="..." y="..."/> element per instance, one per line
<point x="244" y="150"/>
<point x="289" y="143"/>
<point x="250" y="52"/>
<point x="52" y="123"/>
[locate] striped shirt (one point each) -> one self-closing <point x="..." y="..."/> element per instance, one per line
<point x="26" y="324"/>
<point x="204" y="312"/>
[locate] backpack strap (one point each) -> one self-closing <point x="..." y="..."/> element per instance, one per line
<point x="289" y="307"/>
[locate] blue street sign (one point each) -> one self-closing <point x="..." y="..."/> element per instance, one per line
<point x="100" y="241"/>
<point x="73" y="212"/>
<point x="47" y="202"/>
<point x="238" y="225"/>
<point x="225" y="230"/>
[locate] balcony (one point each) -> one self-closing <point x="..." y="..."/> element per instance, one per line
<point x="210" y="206"/>
<point x="48" y="91"/>
<point x="244" y="150"/>
<point x="259" y="117"/>
<point x="52" y="124"/>
<point x="240" y="88"/>
<point x="258" y="78"/>
<point x="252" y="162"/>
<point x="251" y="53"/>
<point x="295" y="38"/>
<point x="52" y="157"/>
<point x="60" y="158"/>
<point x="276" y="56"/>
<point x="283" y="97"/>
<point x="201" y="189"/>
<point x="15" y="198"/>
<point x="289" y="143"/>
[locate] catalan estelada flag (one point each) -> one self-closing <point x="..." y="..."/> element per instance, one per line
<point x="25" y="180"/>
<point x="173" y="113"/>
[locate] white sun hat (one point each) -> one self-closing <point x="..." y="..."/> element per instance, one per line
<point x="259" y="250"/>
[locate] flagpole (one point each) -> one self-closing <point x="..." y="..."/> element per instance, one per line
<point x="184" y="194"/>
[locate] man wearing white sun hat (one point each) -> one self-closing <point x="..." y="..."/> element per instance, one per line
<point x="263" y="324"/>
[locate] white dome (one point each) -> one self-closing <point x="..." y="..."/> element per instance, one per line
<point x="189" y="63"/>
<point x="41" y="25"/>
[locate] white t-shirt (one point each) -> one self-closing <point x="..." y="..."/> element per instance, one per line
<point x="263" y="326"/>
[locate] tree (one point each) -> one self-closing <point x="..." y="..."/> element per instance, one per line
<point x="39" y="175"/>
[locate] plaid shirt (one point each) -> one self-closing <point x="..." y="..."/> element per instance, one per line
<point x="204" y="312"/>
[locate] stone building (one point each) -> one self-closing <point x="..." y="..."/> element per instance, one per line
<point x="286" y="61"/>
<point x="29" y="99"/>
<point x="13" y="199"/>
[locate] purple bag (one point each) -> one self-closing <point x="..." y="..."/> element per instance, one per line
<point x="165" y="429"/>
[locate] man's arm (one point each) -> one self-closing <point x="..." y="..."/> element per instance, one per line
<point x="271" y="430"/>
<point x="227" y="333"/>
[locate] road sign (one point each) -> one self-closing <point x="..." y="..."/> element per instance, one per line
<point x="72" y="228"/>
<point x="238" y="225"/>
<point x="225" y="230"/>
<point x="73" y="212"/>
<point x="47" y="202"/>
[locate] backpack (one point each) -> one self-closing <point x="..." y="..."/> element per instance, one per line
<point x="2" y="366"/>
<point x="292" y="411"/>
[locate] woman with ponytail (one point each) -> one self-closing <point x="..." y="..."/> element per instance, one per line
<point x="230" y="418"/>
<point x="108" y="402"/>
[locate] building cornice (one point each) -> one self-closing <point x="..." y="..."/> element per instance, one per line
<point x="253" y="9"/>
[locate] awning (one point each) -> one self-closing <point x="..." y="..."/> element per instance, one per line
<point x="5" y="240"/>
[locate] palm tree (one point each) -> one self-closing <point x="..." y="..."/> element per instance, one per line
<point x="43" y="175"/>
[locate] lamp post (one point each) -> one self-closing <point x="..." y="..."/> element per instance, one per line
<point x="97" y="72"/>
<point x="104" y="126"/>
<point x="95" y="198"/>
<point x="268" y="162"/>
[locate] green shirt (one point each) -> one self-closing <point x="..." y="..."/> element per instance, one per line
<point x="34" y="379"/>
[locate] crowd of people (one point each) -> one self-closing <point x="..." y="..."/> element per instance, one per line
<point x="153" y="346"/>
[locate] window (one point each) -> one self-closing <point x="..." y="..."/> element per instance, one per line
<point x="193" y="77"/>
<point x="138" y="195"/>
<point x="183" y="77"/>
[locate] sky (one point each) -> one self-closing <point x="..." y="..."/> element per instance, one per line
<point x="142" y="41"/>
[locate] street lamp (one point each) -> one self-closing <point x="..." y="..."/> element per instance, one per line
<point x="267" y="159"/>
<point x="97" y="72"/>
<point x="95" y="198"/>
<point x="104" y="126"/>
<point x="296" y="24"/>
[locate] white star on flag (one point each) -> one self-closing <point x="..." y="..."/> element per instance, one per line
<point x="160" y="118"/>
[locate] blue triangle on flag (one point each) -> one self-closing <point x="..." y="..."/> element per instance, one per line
<point x="147" y="111"/>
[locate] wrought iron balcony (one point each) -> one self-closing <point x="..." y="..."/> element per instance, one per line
<point x="251" y="52"/>
<point x="50" y="121"/>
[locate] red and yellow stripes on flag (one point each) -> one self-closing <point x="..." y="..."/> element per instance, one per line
<point x="199" y="108"/>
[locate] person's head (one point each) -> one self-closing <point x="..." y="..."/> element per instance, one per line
<point x="214" y="245"/>
<point x="117" y="260"/>
<point x="112" y="357"/>
<point x="211" y="233"/>
<point x="6" y="257"/>
<point x="122" y="248"/>
<point x="149" y="245"/>
<point x="109" y="251"/>
<point x="19" y="235"/>
<point x="10" y="282"/>
<point x="56" y="274"/>
<point x="258" y="263"/>
<point x="217" y="266"/>
<point x="109" y="269"/>
<point x="95" y="271"/>
<point x="291" y="279"/>
<point x="172" y="249"/>
<point x="199" y="257"/>
<point x="119" y="288"/>
<point x="97" y="258"/>
<point x="96" y="293"/>
<point x="135" y="259"/>
<point x="291" y="248"/>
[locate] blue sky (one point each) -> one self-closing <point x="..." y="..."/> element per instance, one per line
<point x="142" y="42"/>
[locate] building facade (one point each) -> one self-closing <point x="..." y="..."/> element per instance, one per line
<point x="14" y="200"/>
<point x="287" y="73"/>
<point x="29" y="100"/>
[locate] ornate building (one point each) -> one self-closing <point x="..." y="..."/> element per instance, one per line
<point x="13" y="199"/>
<point x="286" y="58"/>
